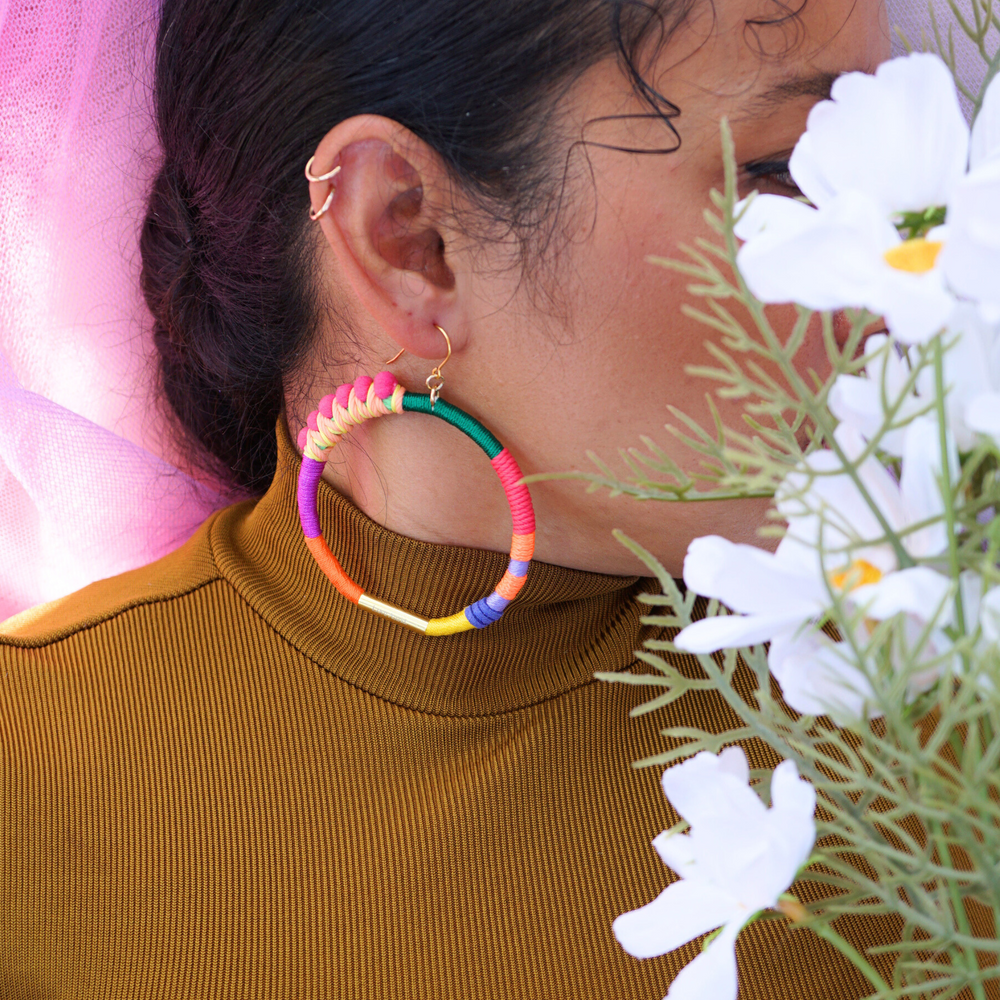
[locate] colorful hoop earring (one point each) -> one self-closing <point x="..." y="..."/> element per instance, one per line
<point x="366" y="399"/>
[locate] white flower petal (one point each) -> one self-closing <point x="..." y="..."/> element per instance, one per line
<point x="971" y="367"/>
<point x="793" y="806"/>
<point x="712" y="975"/>
<point x="733" y="760"/>
<point x="683" y="911"/>
<point x="915" y="306"/>
<point x="677" y="851"/>
<point x="971" y="258"/>
<point x="986" y="131"/>
<point x="918" y="591"/>
<point x="897" y="136"/>
<point x="732" y="631"/>
<point x="829" y="511"/>
<point x="771" y="213"/>
<point x="748" y="579"/>
<point x="983" y="413"/>
<point x="821" y="259"/>
<point x="703" y="793"/>
<point x="808" y="172"/>
<point x="817" y="676"/>
<point x="858" y="401"/>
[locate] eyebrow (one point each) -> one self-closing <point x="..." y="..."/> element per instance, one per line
<point x="815" y="85"/>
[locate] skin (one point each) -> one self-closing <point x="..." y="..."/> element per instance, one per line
<point x="595" y="365"/>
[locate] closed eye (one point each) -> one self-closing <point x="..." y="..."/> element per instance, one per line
<point x="774" y="172"/>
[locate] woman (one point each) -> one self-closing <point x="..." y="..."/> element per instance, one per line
<point x="221" y="778"/>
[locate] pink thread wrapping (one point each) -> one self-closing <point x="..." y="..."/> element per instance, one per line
<point x="301" y="439"/>
<point x="311" y="421"/>
<point x="361" y="386"/>
<point x="326" y="406"/>
<point x="521" y="509"/>
<point x="385" y="383"/>
<point x="344" y="394"/>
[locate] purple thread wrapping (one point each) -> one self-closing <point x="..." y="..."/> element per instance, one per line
<point x="309" y="477"/>
<point x="496" y="602"/>
<point x="481" y="614"/>
<point x="518" y="568"/>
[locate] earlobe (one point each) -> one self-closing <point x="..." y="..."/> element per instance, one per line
<point x="385" y="227"/>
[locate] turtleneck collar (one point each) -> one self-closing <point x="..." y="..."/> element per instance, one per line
<point x="564" y="626"/>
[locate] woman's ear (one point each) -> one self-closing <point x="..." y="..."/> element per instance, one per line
<point x="386" y="227"/>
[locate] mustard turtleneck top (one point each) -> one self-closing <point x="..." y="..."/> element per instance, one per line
<point x="219" y="779"/>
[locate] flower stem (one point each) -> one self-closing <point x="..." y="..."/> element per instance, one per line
<point x="958" y="908"/>
<point x="946" y="486"/>
<point x="816" y="411"/>
<point x="828" y="934"/>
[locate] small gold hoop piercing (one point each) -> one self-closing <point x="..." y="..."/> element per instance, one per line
<point x="313" y="213"/>
<point x="322" y="177"/>
<point x="434" y="381"/>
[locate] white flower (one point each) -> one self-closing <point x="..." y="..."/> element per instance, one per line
<point x="971" y="378"/>
<point x="819" y="676"/>
<point x="970" y="257"/>
<point x="985" y="144"/>
<point x="834" y="542"/>
<point x="737" y="859"/>
<point x="887" y="144"/>
<point x="898" y="137"/>
<point x="864" y="401"/>
<point x="836" y="257"/>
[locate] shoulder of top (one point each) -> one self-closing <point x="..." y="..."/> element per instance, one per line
<point x="183" y="571"/>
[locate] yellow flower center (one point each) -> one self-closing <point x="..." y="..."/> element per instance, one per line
<point x="916" y="256"/>
<point x="857" y="574"/>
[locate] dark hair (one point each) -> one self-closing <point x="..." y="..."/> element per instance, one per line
<point x="245" y="89"/>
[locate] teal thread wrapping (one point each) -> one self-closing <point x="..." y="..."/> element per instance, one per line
<point x="416" y="402"/>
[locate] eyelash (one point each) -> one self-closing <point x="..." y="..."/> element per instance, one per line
<point x="776" y="170"/>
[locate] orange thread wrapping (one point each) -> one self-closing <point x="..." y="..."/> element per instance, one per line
<point x="510" y="585"/>
<point x="522" y="547"/>
<point x="329" y="565"/>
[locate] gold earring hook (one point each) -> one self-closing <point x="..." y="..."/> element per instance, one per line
<point x="434" y="381"/>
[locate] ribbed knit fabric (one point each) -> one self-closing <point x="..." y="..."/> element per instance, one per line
<point x="222" y="780"/>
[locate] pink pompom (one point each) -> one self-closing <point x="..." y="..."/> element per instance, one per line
<point x="301" y="439"/>
<point x="344" y="394"/>
<point x="385" y="384"/>
<point x="311" y="422"/>
<point x="326" y="406"/>
<point x="361" y="387"/>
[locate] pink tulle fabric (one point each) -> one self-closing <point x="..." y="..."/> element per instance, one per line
<point x="87" y="485"/>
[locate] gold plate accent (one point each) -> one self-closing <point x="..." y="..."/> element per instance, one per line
<point x="393" y="613"/>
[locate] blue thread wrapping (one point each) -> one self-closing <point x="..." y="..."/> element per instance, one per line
<point x="518" y="568"/>
<point x="481" y="614"/>
<point x="496" y="602"/>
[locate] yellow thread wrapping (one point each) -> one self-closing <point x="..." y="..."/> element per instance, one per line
<point x="329" y="431"/>
<point x="916" y="256"/>
<point x="449" y="625"/>
<point x="393" y="613"/>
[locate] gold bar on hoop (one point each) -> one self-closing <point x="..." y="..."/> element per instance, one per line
<point x="393" y="613"/>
